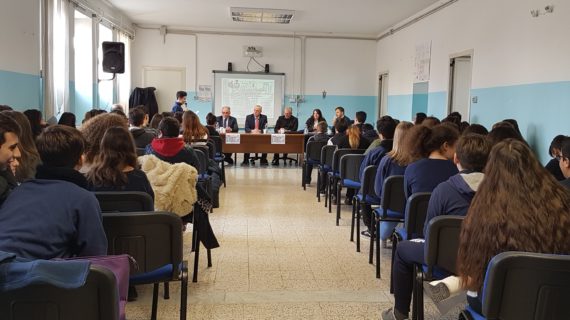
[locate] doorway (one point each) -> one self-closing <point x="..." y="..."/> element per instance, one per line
<point x="382" y="95"/>
<point x="459" y="100"/>
<point x="167" y="81"/>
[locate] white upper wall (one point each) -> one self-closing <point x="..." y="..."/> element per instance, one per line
<point x="19" y="36"/>
<point x="510" y="47"/>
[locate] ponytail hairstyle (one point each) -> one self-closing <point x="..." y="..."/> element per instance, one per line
<point x="422" y="141"/>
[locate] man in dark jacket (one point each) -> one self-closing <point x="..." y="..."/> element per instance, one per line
<point x="451" y="197"/>
<point x="54" y="216"/>
<point x="9" y="132"/>
<point x="230" y="124"/>
<point x="138" y="120"/>
<point x="287" y="123"/>
<point x="180" y="103"/>
<point x="255" y="123"/>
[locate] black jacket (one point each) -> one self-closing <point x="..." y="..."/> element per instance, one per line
<point x="290" y="125"/>
<point x="144" y="96"/>
<point x="232" y="123"/>
<point x="143" y="137"/>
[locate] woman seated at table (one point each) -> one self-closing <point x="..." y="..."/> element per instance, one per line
<point x="314" y="119"/>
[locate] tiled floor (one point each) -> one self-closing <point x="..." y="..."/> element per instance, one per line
<point x="281" y="257"/>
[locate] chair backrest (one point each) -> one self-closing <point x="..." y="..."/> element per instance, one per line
<point x="415" y="215"/>
<point x="97" y="299"/>
<point x="393" y="195"/>
<point x="327" y="153"/>
<point x="442" y="243"/>
<point x="367" y="182"/>
<point x="338" y="153"/>
<point x="314" y="150"/>
<point x="141" y="152"/>
<point x="203" y="159"/>
<point x="205" y="149"/>
<point x="124" y="201"/>
<point x="153" y="239"/>
<point x="349" y="166"/>
<point x="523" y="285"/>
<point x="217" y="143"/>
<point x="211" y="148"/>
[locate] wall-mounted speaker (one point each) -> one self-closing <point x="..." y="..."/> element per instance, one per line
<point x="113" y="57"/>
<point x="267" y="68"/>
<point x="230" y="67"/>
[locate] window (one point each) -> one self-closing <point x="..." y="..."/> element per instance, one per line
<point x="83" y="58"/>
<point x="105" y="86"/>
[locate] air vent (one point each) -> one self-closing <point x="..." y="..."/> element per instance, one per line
<point x="261" y="15"/>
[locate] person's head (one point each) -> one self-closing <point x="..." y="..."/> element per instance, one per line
<point x="518" y="206"/>
<point x="169" y="127"/>
<point x="438" y="141"/>
<point x="116" y="153"/>
<point x="455" y="114"/>
<point x="67" y="119"/>
<point x="454" y="120"/>
<point x="564" y="157"/>
<point x="476" y="128"/>
<point x="137" y="117"/>
<point x="118" y="106"/>
<point x="14" y="164"/>
<point x="178" y="116"/>
<point x="257" y="109"/>
<point x="155" y="121"/>
<point x="288" y="112"/>
<point x="94" y="129"/>
<point x="464" y="125"/>
<point x="181" y="96"/>
<point x="360" y="117"/>
<point x="36" y="121"/>
<point x="339" y="112"/>
<point x="340" y="125"/>
<point x="354" y="137"/>
<point x="211" y="119"/>
<point x="226" y="112"/>
<point x="61" y="146"/>
<point x="399" y="153"/>
<point x="29" y="157"/>
<point x="317" y="115"/>
<point x="386" y="127"/>
<point x="322" y="127"/>
<point x="503" y="132"/>
<point x="515" y="125"/>
<point x="121" y="113"/>
<point x="471" y="152"/>
<point x="556" y="146"/>
<point x="430" y="122"/>
<point x="420" y="117"/>
<point x="9" y="132"/>
<point x="192" y="128"/>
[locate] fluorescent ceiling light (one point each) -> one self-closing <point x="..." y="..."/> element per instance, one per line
<point x="261" y="15"/>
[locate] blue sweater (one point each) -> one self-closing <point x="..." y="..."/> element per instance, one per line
<point x="374" y="157"/>
<point x="386" y="168"/>
<point x="425" y="174"/>
<point x="46" y="219"/>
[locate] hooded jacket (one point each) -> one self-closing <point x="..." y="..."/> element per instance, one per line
<point x="142" y="136"/>
<point x="173" y="150"/>
<point x="453" y="196"/>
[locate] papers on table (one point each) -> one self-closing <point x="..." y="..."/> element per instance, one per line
<point x="278" y="138"/>
<point x="233" y="138"/>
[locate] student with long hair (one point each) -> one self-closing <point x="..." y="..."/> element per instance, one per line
<point x="192" y="130"/>
<point x="93" y="130"/>
<point x="314" y="119"/>
<point x="155" y="121"/>
<point x="37" y="122"/>
<point x="519" y="206"/>
<point x="29" y="156"/>
<point x="115" y="167"/>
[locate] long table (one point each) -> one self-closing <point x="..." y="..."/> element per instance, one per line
<point x="261" y="143"/>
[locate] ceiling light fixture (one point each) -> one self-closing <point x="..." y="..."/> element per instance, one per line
<point x="261" y="15"/>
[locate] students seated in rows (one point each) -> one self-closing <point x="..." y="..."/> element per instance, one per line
<point x="564" y="161"/>
<point x="320" y="135"/>
<point x="115" y="167"/>
<point x="54" y="216"/>
<point x="451" y="197"/>
<point x="9" y="132"/>
<point x="434" y="148"/>
<point x="211" y="123"/>
<point x="193" y="131"/>
<point x="518" y="207"/>
<point x="138" y="122"/>
<point x="169" y="147"/>
<point x="93" y="131"/>
<point x="29" y="156"/>
<point x="313" y="120"/>
<point x="553" y="166"/>
<point x="287" y="123"/>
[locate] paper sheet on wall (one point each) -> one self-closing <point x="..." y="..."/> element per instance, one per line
<point x="422" y="62"/>
<point x="278" y="138"/>
<point x="233" y="138"/>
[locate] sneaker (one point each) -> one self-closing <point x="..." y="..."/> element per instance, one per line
<point x="366" y="233"/>
<point x="437" y="293"/>
<point x="392" y="314"/>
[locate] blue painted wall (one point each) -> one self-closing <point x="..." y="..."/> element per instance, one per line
<point x="20" y="91"/>
<point x="437" y="104"/>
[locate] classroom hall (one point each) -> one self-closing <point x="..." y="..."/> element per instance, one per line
<point x="281" y="254"/>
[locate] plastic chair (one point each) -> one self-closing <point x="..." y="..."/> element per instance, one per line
<point x="203" y="176"/>
<point x="124" y="201"/>
<point x="524" y="285"/>
<point x="366" y="196"/>
<point x="440" y="253"/>
<point x="334" y="174"/>
<point x="312" y="157"/>
<point x="349" y="171"/>
<point x="219" y="156"/>
<point x="325" y="166"/>
<point x="98" y="299"/>
<point x="154" y="240"/>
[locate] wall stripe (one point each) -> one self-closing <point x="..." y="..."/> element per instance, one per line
<point x="19" y="90"/>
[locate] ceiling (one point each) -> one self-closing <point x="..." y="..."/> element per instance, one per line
<point x="342" y="17"/>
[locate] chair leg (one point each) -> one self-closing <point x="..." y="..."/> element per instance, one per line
<point x="333" y="183"/>
<point x="394" y="245"/>
<point x="209" y="253"/>
<point x="338" y="190"/>
<point x="183" y="291"/>
<point x="418" y="297"/>
<point x="371" y="252"/>
<point x="194" y="233"/>
<point x="166" y="291"/>
<point x="196" y="262"/>
<point x="358" y="212"/>
<point x="326" y="191"/>
<point x="319" y="186"/>
<point x="154" y="301"/>
<point x="303" y="182"/>
<point x="377" y="240"/>
<point x="352" y="221"/>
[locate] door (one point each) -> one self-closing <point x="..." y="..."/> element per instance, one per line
<point x="382" y="95"/>
<point x="166" y="80"/>
<point x="460" y="86"/>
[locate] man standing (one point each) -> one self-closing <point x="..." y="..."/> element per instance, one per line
<point x="230" y="124"/>
<point x="285" y="124"/>
<point x="180" y="103"/>
<point x="9" y="131"/>
<point x="255" y="123"/>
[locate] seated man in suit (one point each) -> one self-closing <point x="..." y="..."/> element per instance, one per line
<point x="285" y="124"/>
<point x="230" y="124"/>
<point x="255" y="123"/>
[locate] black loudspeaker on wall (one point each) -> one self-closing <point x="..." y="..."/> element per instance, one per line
<point x="113" y="57"/>
<point x="230" y="67"/>
<point x="266" y="68"/>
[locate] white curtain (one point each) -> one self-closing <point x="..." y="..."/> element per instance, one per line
<point x="124" y="80"/>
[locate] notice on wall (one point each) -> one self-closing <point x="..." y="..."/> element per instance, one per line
<point x="233" y="138"/>
<point x="422" y="62"/>
<point x="204" y="93"/>
<point x="278" y="138"/>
